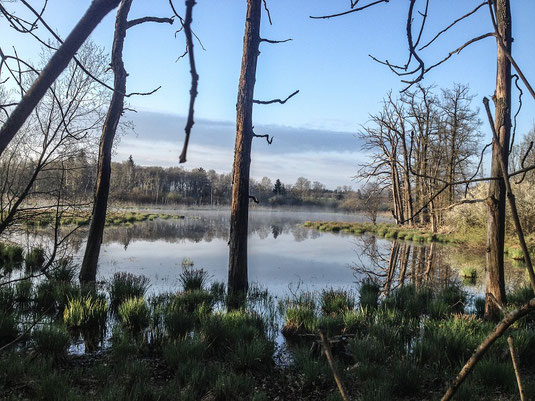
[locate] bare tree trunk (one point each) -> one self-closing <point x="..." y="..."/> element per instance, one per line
<point x="237" y="275"/>
<point x="55" y="66"/>
<point x="88" y="272"/>
<point x="495" y="281"/>
<point x="406" y="181"/>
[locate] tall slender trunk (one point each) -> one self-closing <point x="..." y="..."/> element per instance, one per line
<point x="406" y="181"/>
<point x="88" y="272"/>
<point x="237" y="274"/>
<point x="495" y="281"/>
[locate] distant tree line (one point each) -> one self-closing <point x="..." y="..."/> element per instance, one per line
<point x="132" y="183"/>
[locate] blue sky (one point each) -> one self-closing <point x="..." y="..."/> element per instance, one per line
<point x="327" y="60"/>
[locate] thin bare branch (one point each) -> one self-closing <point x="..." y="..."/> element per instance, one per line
<point x="138" y="21"/>
<point x="267" y="11"/>
<point x="353" y="10"/>
<point x="194" y="77"/>
<point x="452" y="24"/>
<point x="507" y="53"/>
<point x="523" y="161"/>
<point x="268" y="139"/>
<point x="275" y="41"/>
<point x="276" y="100"/>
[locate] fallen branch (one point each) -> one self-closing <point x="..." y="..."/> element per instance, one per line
<point x="332" y="365"/>
<point x="515" y="366"/>
<point x="498" y="331"/>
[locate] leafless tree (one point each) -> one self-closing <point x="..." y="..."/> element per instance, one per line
<point x="237" y="277"/>
<point x="55" y="66"/>
<point x="88" y="271"/>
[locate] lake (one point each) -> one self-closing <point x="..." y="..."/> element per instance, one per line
<point x="284" y="256"/>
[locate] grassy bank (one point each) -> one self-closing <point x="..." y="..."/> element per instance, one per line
<point x="48" y="219"/>
<point x="386" y="230"/>
<point x="475" y="238"/>
<point x="407" y="343"/>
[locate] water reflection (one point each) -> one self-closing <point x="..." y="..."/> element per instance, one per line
<point x="393" y="264"/>
<point x="281" y="253"/>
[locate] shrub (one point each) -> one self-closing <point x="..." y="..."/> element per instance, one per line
<point x="134" y="314"/>
<point x="35" y="259"/>
<point x="51" y="340"/>
<point x="124" y="286"/>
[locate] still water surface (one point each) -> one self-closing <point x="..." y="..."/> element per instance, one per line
<point x="284" y="256"/>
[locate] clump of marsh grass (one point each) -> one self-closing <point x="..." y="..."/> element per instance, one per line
<point x="51" y="340"/>
<point x="86" y="313"/>
<point x="298" y="320"/>
<point x="369" y="294"/>
<point x="35" y="259"/>
<point x="124" y="286"/>
<point x="8" y="328"/>
<point x="336" y="301"/>
<point x="134" y="314"/>
<point x="11" y="256"/>
<point x="193" y="279"/>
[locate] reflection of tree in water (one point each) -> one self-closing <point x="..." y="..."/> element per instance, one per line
<point x="205" y="228"/>
<point x="393" y="264"/>
<point x="275" y="230"/>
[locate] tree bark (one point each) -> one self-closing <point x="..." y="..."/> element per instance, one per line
<point x="55" y="66"/>
<point x="237" y="275"/>
<point x="88" y="272"/>
<point x="495" y="281"/>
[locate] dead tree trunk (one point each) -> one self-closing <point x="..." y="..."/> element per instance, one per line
<point x="88" y="272"/>
<point x="55" y="66"/>
<point x="237" y="275"/>
<point x="495" y="282"/>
